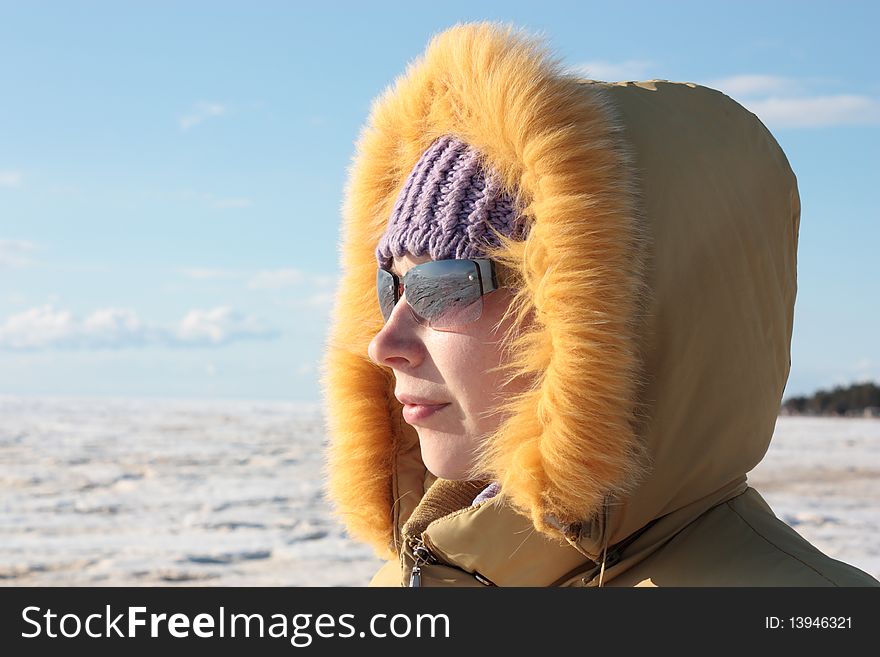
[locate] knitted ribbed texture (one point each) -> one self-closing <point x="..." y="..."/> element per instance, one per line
<point x="445" y="207"/>
<point x="445" y="496"/>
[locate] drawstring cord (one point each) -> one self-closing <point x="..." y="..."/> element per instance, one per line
<point x="604" y="542"/>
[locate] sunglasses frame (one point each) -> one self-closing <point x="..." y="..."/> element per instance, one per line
<point x="486" y="276"/>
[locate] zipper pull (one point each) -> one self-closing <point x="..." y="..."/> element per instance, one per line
<point x="415" y="576"/>
<point x="421" y="555"/>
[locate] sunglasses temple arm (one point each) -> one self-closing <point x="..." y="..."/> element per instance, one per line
<point x="487" y="275"/>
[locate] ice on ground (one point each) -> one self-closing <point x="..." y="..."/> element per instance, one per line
<point x="155" y="492"/>
<point x="821" y="476"/>
<point x="229" y="493"/>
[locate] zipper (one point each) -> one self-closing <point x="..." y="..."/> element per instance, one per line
<point x="421" y="555"/>
<point x="611" y="558"/>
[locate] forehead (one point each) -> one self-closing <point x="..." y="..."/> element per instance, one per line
<point x="404" y="263"/>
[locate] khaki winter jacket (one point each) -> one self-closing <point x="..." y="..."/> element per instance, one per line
<point x="661" y="270"/>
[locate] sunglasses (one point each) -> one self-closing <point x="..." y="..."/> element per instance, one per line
<point x="441" y="294"/>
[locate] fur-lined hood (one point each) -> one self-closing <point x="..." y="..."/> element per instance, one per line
<point x="660" y="266"/>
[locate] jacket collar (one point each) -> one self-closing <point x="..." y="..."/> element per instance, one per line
<point x="502" y="546"/>
<point x="490" y="539"/>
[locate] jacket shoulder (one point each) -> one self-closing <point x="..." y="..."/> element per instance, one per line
<point x="741" y="542"/>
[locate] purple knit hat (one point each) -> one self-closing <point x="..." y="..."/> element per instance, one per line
<point x="446" y="206"/>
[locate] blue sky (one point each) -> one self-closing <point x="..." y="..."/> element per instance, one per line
<point x="171" y="174"/>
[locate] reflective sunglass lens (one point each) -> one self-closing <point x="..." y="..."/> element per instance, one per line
<point x="385" y="288"/>
<point x="441" y="294"/>
<point x="445" y="293"/>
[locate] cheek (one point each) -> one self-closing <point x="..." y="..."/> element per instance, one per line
<point x="467" y="371"/>
<point x="466" y="359"/>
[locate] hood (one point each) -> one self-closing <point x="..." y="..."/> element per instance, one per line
<point x="659" y="268"/>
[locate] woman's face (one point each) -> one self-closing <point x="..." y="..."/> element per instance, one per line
<point x="447" y="367"/>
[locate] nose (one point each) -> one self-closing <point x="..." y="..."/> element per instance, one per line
<point x="398" y="344"/>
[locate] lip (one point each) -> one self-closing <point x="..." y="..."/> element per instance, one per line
<point x="412" y="400"/>
<point x="414" y="413"/>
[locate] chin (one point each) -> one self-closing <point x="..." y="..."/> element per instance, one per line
<point x="439" y="470"/>
<point x="445" y="454"/>
<point x="443" y="469"/>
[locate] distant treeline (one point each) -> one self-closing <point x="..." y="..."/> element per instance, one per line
<point x="860" y="399"/>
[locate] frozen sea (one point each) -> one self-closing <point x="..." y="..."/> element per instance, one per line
<point x="114" y="492"/>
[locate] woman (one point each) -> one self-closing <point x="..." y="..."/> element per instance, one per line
<point x="563" y="328"/>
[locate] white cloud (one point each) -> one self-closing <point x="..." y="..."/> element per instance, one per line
<point x="783" y="102"/>
<point x="219" y="326"/>
<point x="45" y="327"/>
<point x="10" y="178"/>
<point x="741" y="86"/>
<point x="816" y="111"/>
<point x="15" y="253"/>
<point x="633" y="69"/>
<point x="38" y="327"/>
<point x="112" y="327"/>
<point x="203" y="110"/>
<point x="779" y="101"/>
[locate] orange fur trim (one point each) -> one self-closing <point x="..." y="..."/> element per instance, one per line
<point x="568" y="441"/>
